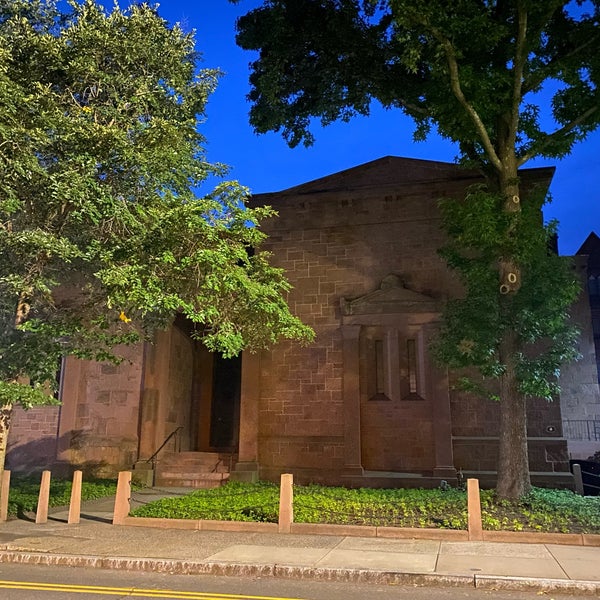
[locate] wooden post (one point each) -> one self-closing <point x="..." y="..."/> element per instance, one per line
<point x="578" y="479"/>
<point x="122" y="499"/>
<point x="75" y="503"/>
<point x="4" y="492"/>
<point x="41" y="514"/>
<point x="286" y="503"/>
<point x="474" y="511"/>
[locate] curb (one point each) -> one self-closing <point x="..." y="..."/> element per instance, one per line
<point x="369" y="531"/>
<point x="494" y="582"/>
<point x="356" y="576"/>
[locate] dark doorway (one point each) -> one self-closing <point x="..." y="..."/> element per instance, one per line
<point x="225" y="402"/>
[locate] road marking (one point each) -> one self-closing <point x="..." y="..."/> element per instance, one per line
<point x="131" y="592"/>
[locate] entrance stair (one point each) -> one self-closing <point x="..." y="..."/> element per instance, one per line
<point x="193" y="469"/>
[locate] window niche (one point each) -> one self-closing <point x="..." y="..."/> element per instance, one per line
<point x="392" y="364"/>
<point x="375" y="372"/>
<point x="412" y="369"/>
<point x="391" y="323"/>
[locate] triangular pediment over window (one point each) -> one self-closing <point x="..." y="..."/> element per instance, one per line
<point x="391" y="297"/>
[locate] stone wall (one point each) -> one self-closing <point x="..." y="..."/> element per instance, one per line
<point x="333" y="245"/>
<point x="99" y="423"/>
<point x="580" y="393"/>
<point x="337" y="238"/>
<point x="33" y="439"/>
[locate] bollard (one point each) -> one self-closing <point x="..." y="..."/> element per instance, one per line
<point x="41" y="514"/>
<point x="4" y="492"/>
<point x="474" y="511"/>
<point x="286" y="503"/>
<point x="75" y="502"/>
<point x="578" y="479"/>
<point x="122" y="499"/>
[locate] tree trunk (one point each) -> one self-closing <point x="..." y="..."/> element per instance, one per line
<point x="5" y="416"/>
<point x="513" y="459"/>
<point x="22" y="312"/>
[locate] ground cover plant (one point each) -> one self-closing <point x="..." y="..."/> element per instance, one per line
<point x="24" y="492"/>
<point x="541" y="510"/>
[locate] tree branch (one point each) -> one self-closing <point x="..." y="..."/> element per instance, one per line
<point x="543" y="73"/>
<point x="518" y="68"/>
<point x="458" y="93"/>
<point x="415" y="108"/>
<point x="556" y="134"/>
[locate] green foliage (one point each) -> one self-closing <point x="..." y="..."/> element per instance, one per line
<point x="396" y="507"/>
<point x="232" y="502"/>
<point x="440" y="63"/>
<point x="24" y="492"/>
<point x="103" y="237"/>
<point x="540" y="510"/>
<point x="475" y="324"/>
<point x="544" y="510"/>
<point x="12" y="393"/>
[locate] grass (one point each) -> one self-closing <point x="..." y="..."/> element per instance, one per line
<point x="541" y="510"/>
<point x="24" y="492"/>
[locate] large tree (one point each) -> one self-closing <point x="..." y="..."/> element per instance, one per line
<point x="103" y="236"/>
<point x="507" y="81"/>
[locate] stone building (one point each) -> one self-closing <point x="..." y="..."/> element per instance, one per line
<point x="364" y="405"/>
<point x="580" y="397"/>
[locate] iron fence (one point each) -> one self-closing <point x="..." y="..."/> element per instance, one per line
<point x="582" y="429"/>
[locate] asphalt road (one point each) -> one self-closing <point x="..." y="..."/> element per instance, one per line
<point x="31" y="582"/>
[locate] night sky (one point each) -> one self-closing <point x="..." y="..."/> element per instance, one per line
<point x="265" y="164"/>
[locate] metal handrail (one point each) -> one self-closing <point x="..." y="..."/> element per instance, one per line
<point x="167" y="439"/>
<point x="595" y="477"/>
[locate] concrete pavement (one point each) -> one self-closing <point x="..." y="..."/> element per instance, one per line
<point x="95" y="542"/>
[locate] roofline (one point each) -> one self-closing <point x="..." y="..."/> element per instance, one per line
<point x="536" y="173"/>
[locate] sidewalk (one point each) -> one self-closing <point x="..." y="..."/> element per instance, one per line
<point x="95" y="542"/>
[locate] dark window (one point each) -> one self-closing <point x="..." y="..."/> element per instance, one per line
<point x="411" y="359"/>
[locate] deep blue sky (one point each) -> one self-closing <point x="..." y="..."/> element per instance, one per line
<point x="265" y="163"/>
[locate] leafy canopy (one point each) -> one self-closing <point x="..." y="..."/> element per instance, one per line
<point x="475" y="324"/>
<point x="474" y="69"/>
<point x="102" y="234"/>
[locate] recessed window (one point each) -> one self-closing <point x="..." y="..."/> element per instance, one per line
<point x="376" y="365"/>
<point x="411" y="375"/>
<point x="411" y="355"/>
<point x="379" y="368"/>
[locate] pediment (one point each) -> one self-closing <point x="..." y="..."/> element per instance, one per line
<point x="392" y="172"/>
<point x="392" y="297"/>
<point x="386" y="171"/>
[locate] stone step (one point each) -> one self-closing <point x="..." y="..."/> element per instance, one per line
<point x="193" y="469"/>
<point x="175" y="474"/>
<point x="181" y="470"/>
<point x="196" y="458"/>
<point x="193" y="481"/>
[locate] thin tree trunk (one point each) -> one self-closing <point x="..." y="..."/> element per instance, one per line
<point x="5" y="417"/>
<point x="513" y="459"/>
<point x="21" y="314"/>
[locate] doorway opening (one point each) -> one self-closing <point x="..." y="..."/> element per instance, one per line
<point x="215" y="407"/>
<point x="225" y="402"/>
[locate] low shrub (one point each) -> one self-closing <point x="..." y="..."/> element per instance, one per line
<point x="541" y="510"/>
<point x="544" y="510"/>
<point x="232" y="502"/>
<point x="24" y="492"/>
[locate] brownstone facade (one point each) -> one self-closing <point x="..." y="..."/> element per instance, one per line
<point x="364" y="404"/>
<point x="580" y="397"/>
